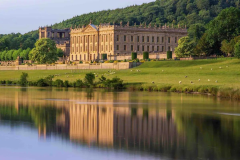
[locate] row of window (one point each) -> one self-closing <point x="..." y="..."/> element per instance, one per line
<point x="92" y="48"/>
<point x="92" y="57"/>
<point x="77" y="39"/>
<point x="145" y="48"/>
<point x="148" y="39"/>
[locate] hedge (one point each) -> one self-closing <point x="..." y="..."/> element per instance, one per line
<point x="134" y="55"/>
<point x="104" y="56"/>
<point x="145" y="55"/>
<point x="169" y="54"/>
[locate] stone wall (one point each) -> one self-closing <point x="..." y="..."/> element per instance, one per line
<point x="117" y="66"/>
<point x="140" y="56"/>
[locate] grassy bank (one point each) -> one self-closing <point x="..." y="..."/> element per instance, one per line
<point x="221" y="73"/>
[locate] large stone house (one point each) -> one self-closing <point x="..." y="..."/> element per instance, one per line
<point x="89" y="42"/>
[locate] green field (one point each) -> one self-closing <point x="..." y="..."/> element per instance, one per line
<point x="159" y="72"/>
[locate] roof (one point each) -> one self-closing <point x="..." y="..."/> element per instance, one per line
<point x="92" y="25"/>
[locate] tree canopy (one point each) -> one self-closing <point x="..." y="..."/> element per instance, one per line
<point x="45" y="51"/>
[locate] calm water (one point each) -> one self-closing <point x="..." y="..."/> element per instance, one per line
<point x="68" y="124"/>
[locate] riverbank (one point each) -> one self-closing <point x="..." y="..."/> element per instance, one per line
<point x="218" y="77"/>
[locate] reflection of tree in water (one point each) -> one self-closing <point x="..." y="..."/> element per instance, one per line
<point x="210" y="137"/>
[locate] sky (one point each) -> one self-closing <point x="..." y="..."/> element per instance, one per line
<point x="26" y="15"/>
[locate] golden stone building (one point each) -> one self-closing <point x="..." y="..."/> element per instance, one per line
<point x="89" y="42"/>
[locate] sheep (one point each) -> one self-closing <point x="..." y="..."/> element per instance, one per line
<point x="131" y="70"/>
<point x="96" y="75"/>
<point x="220" y="67"/>
<point x="211" y="69"/>
<point x="200" y="67"/>
<point x="216" y="81"/>
<point x="227" y="66"/>
<point x="180" y="82"/>
<point x="153" y="82"/>
<point x="162" y="70"/>
<point x="199" y="80"/>
<point x="191" y="82"/>
<point x="185" y="76"/>
<point x="208" y="80"/>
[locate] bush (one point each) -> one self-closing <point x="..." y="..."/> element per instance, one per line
<point x="66" y="84"/>
<point x="8" y="82"/>
<point x="104" y="56"/>
<point x="41" y="83"/>
<point x="89" y="79"/>
<point x="59" y="83"/>
<point x="169" y="54"/>
<point x="79" y="83"/>
<point x="145" y="55"/>
<point x="134" y="55"/>
<point x="23" y="79"/>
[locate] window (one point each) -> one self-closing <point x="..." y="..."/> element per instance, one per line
<point x="52" y="35"/>
<point x="125" y="47"/>
<point x="80" y="57"/>
<point x="157" y="48"/>
<point x="169" y="39"/>
<point x="157" y="39"/>
<point x="137" y="38"/>
<point x="152" y="39"/>
<point x="111" y="47"/>
<point x="102" y="47"/>
<point x="169" y="48"/>
<point x="175" y="39"/>
<point x="106" y="48"/>
<point x="162" y="48"/>
<point x="142" y="38"/>
<point x="73" y="49"/>
<point x="117" y="47"/>
<point x="84" y="56"/>
<point x="142" y="48"/>
<point x="152" y="48"/>
<point x="138" y="48"/>
<point x="147" y="38"/>
<point x="102" y="38"/>
<point x="106" y="38"/>
<point x="162" y="39"/>
<point x="77" y="39"/>
<point x="131" y="38"/>
<point x="125" y="38"/>
<point x="117" y="37"/>
<point x="131" y="47"/>
<point x="148" y="48"/>
<point x="76" y="57"/>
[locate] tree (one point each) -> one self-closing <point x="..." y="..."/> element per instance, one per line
<point x="60" y="52"/>
<point x="89" y="79"/>
<point x="196" y="31"/>
<point x="185" y="47"/>
<point x="45" y="51"/>
<point x="225" y="26"/>
<point x="23" y="79"/>
<point x="237" y="50"/>
<point x="228" y="47"/>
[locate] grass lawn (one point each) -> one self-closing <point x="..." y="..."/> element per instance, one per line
<point x="161" y="72"/>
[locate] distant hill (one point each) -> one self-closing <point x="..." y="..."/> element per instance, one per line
<point x="160" y="12"/>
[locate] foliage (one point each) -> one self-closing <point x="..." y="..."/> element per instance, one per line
<point x="185" y="47"/>
<point x="225" y="26"/>
<point x="89" y="79"/>
<point x="228" y="47"/>
<point x="60" y="52"/>
<point x="23" y="79"/>
<point x="169" y="54"/>
<point x="237" y="50"/>
<point x="134" y="55"/>
<point x="45" y="51"/>
<point x="115" y="82"/>
<point x="104" y="56"/>
<point x="59" y="83"/>
<point x="145" y="55"/>
<point x="79" y="83"/>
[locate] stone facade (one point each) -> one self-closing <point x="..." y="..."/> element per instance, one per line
<point x="89" y="42"/>
<point x="60" y="36"/>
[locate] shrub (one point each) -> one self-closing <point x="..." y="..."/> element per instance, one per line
<point x="66" y="84"/>
<point x="59" y="83"/>
<point x="145" y="55"/>
<point x="89" y="79"/>
<point x="104" y="56"/>
<point x="169" y="54"/>
<point x="8" y="82"/>
<point x="134" y="55"/>
<point x="79" y="83"/>
<point x="23" y="79"/>
<point x="49" y="80"/>
<point x="41" y="83"/>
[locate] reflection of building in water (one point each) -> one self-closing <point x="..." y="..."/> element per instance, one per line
<point x="110" y="126"/>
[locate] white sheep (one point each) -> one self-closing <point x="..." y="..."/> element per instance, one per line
<point x="216" y="81"/>
<point x="220" y="67"/>
<point x="185" y="76"/>
<point x="211" y="69"/>
<point x="180" y="82"/>
<point x="199" y="80"/>
<point x="208" y="80"/>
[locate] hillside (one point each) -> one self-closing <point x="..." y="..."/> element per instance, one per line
<point x="181" y="12"/>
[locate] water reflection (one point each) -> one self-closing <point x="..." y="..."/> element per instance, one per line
<point x="151" y="123"/>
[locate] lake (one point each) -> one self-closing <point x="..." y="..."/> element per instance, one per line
<point x="62" y="124"/>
